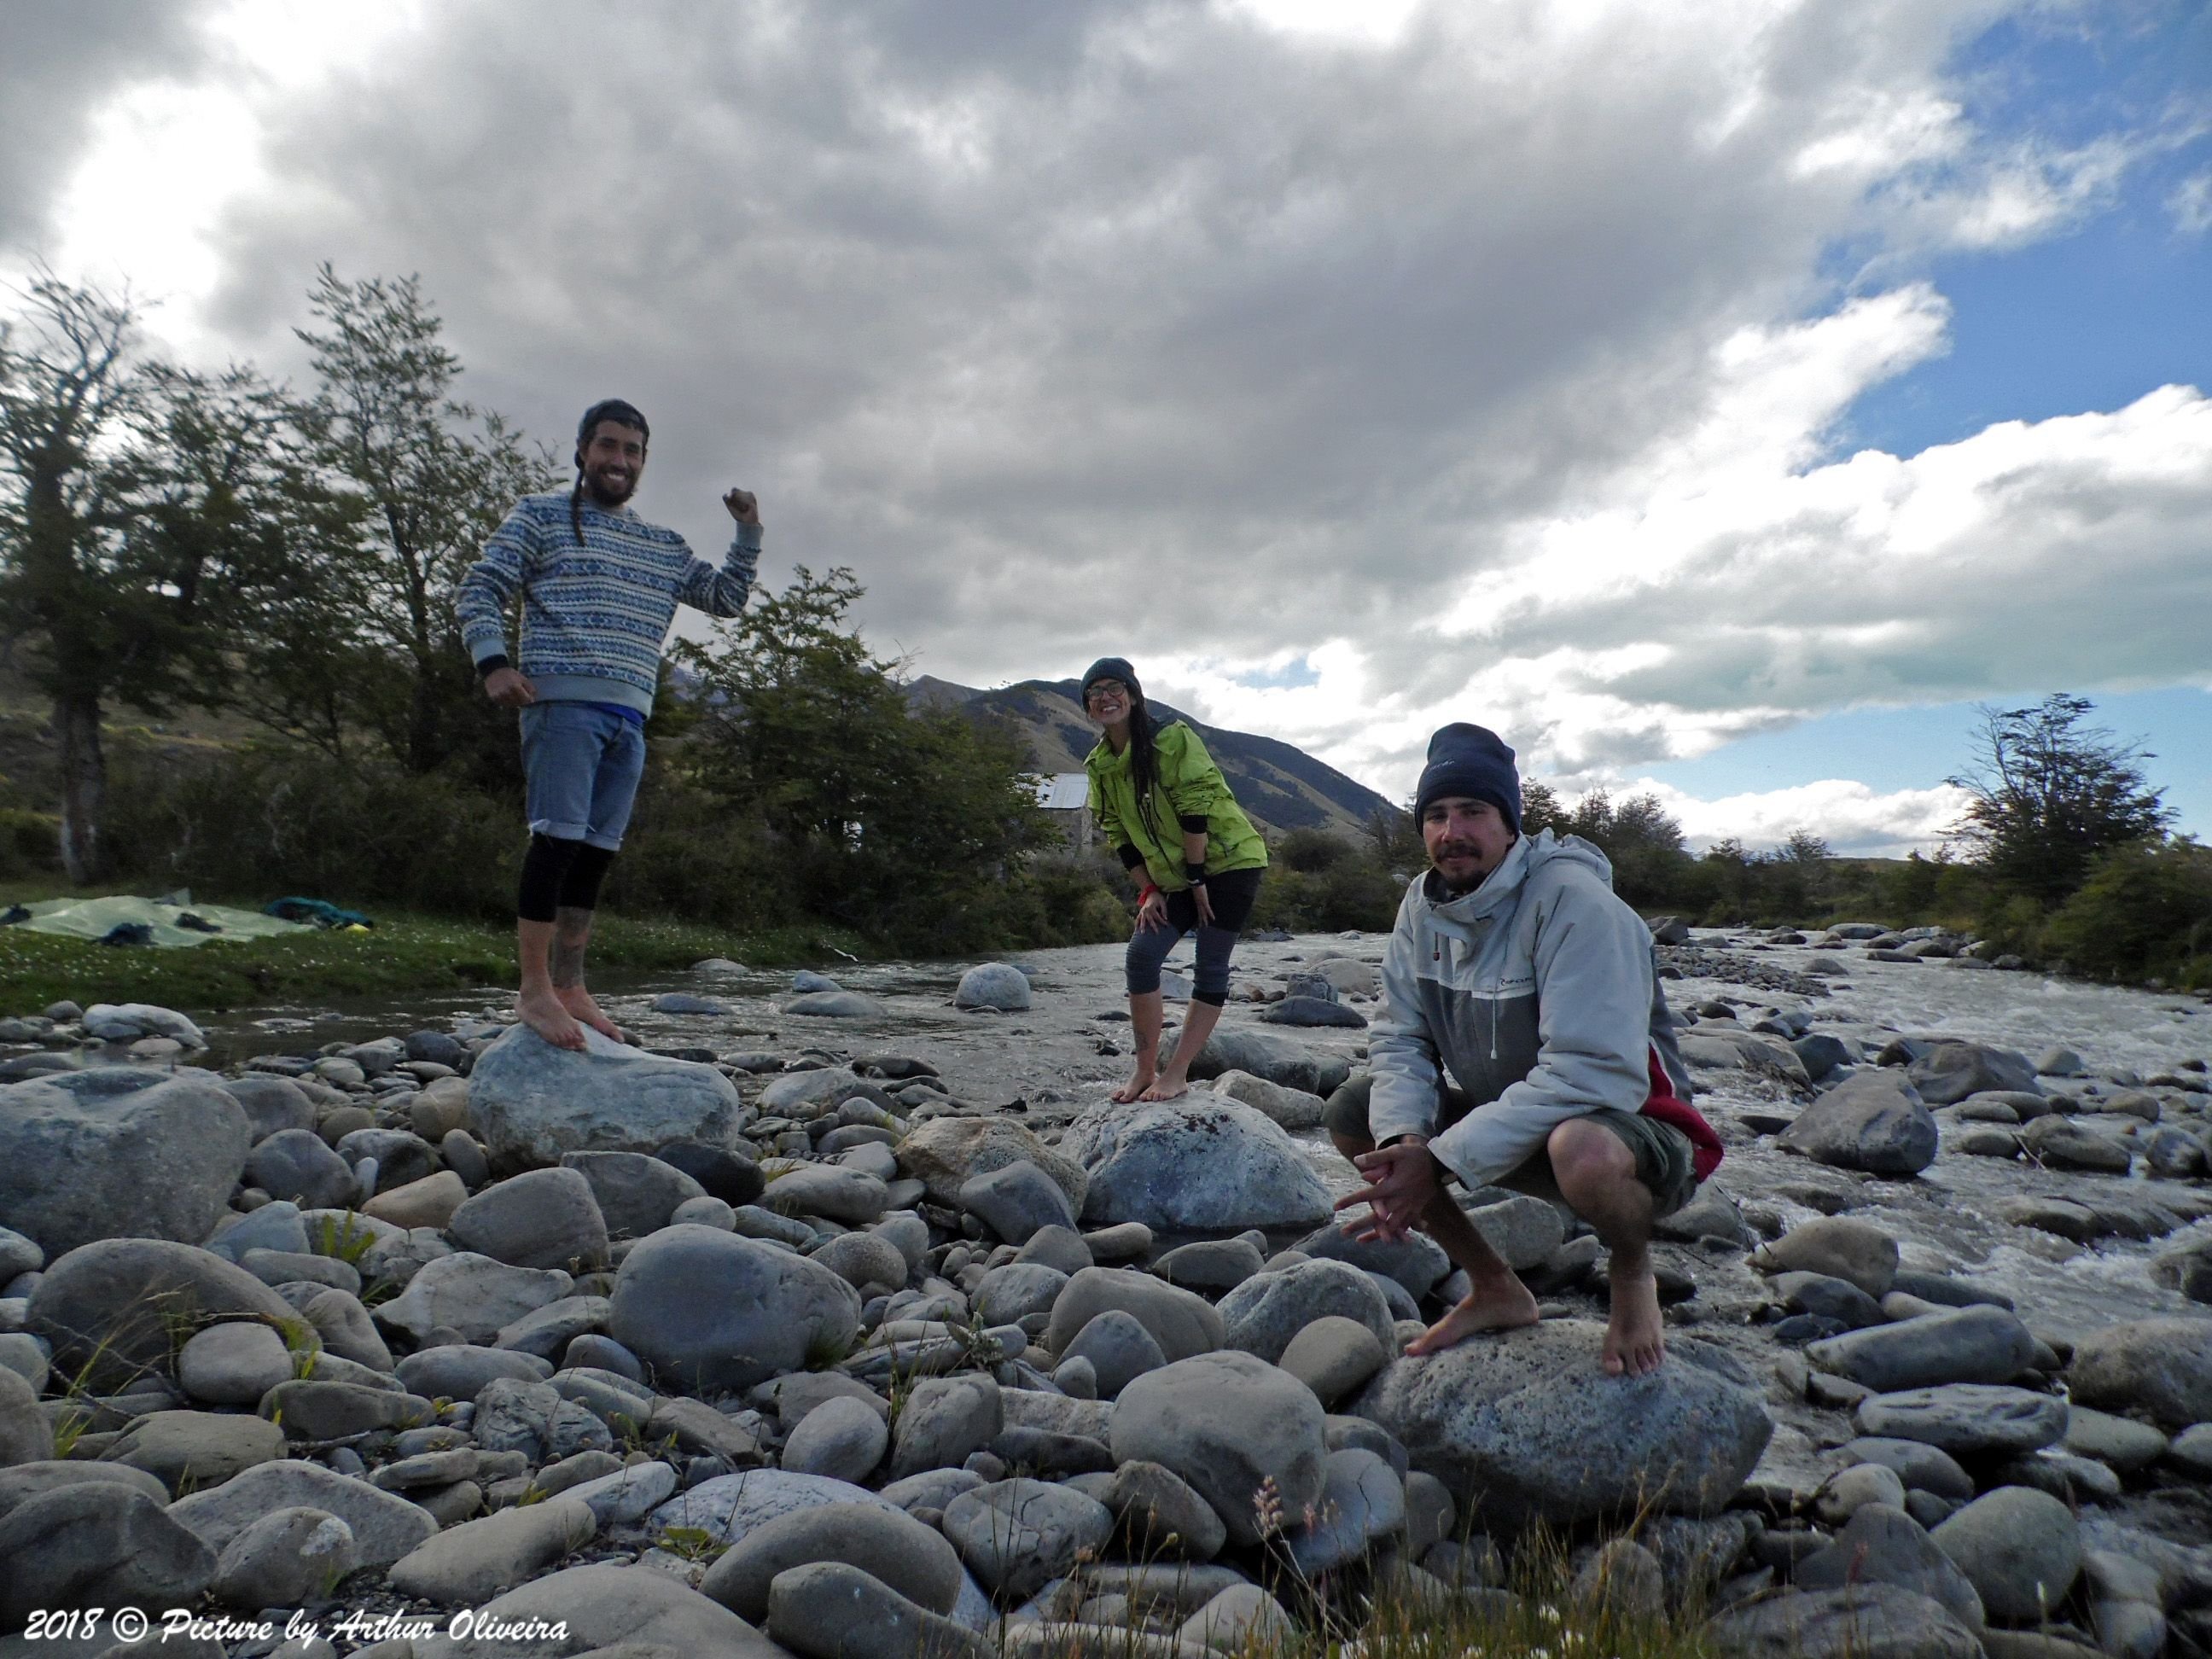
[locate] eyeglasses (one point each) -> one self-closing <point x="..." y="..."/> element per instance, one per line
<point x="1105" y="690"/>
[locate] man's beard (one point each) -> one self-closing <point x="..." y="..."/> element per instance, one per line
<point x="1459" y="849"/>
<point x="599" y="495"/>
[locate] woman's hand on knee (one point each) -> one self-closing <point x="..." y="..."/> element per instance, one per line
<point x="1152" y="914"/>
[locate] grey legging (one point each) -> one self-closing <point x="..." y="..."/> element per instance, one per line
<point x="1232" y="894"/>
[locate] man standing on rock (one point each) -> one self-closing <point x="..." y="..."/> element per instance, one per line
<point x="1514" y="966"/>
<point x="599" y="586"/>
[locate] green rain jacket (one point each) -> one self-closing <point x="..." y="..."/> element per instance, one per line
<point x="1190" y="786"/>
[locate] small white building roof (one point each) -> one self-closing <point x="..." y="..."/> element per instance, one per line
<point x="1063" y="791"/>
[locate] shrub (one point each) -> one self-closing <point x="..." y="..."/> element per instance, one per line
<point x="2145" y="910"/>
<point x="30" y="842"/>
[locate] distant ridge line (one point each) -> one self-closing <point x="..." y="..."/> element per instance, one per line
<point x="1278" y="784"/>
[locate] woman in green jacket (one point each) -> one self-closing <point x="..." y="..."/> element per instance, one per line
<point x="1158" y="796"/>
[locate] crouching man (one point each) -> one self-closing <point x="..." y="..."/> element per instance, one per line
<point x="1514" y="966"/>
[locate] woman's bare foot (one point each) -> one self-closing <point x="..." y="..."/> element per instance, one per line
<point x="1635" y="1335"/>
<point x="1505" y="1305"/>
<point x="541" y="1011"/>
<point x="1171" y="1085"/>
<point x="1133" y="1090"/>
<point x="578" y="1001"/>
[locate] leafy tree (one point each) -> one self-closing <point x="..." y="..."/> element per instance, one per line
<point x="2050" y="794"/>
<point x="146" y="512"/>
<point x="910" y="824"/>
<point x="431" y="478"/>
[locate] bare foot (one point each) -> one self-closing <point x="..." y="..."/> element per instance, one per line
<point x="1172" y="1085"/>
<point x="578" y="1001"/>
<point x="541" y="1011"/>
<point x="1635" y="1335"/>
<point x="1140" y="1080"/>
<point x="1504" y="1306"/>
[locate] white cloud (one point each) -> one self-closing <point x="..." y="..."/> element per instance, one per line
<point x="2191" y="203"/>
<point x="1855" y="820"/>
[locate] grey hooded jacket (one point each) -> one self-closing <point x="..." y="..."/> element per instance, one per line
<point x="1537" y="992"/>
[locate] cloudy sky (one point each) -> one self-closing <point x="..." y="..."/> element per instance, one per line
<point x="1718" y="398"/>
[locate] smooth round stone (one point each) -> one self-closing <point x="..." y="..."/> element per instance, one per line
<point x="233" y="1364"/>
<point x="840" y="1438"/>
<point x="2020" y="1549"/>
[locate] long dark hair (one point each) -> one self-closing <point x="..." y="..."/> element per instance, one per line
<point x="1144" y="760"/>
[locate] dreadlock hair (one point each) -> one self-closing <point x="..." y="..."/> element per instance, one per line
<point x="1144" y="760"/>
<point x="607" y="409"/>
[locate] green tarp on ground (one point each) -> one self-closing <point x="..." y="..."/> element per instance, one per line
<point x="93" y="918"/>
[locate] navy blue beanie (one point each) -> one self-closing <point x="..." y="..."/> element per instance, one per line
<point x="1475" y="762"/>
<point x="1109" y="668"/>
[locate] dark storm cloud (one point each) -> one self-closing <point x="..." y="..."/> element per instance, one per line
<point x="58" y="63"/>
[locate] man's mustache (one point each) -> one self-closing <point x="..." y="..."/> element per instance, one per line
<point x="1458" y="849"/>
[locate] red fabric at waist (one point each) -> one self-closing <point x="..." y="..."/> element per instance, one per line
<point x="1705" y="1149"/>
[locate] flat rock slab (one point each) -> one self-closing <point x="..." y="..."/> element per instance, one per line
<point x="1967" y="1419"/>
<point x="384" y="1527"/>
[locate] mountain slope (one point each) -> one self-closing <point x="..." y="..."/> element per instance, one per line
<point x="1281" y="786"/>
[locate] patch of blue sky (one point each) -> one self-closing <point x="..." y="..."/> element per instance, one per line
<point x="2108" y="308"/>
<point x="1291" y="675"/>
<point x="1893" y="749"/>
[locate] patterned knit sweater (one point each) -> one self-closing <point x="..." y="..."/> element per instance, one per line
<point x="594" y="617"/>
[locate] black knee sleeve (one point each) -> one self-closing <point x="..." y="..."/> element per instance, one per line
<point x="579" y="889"/>
<point x="544" y="870"/>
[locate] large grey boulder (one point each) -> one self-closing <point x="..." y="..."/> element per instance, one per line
<point x="384" y="1527"/>
<point x="1195" y="1166"/>
<point x="1950" y="1072"/>
<point x="913" y="1560"/>
<point x="945" y="1153"/>
<point x="186" y="1451"/>
<point x="271" y="1103"/>
<point x="530" y="1103"/>
<point x="1966" y="1344"/>
<point x="97" y="1544"/>
<point x="473" y="1294"/>
<point x="1225" y="1423"/>
<point x="539" y="1219"/>
<point x="1525" y="1426"/>
<point x="636" y="1194"/>
<point x="1873" y="1120"/>
<point x="1417" y="1261"/>
<point x="831" y="1610"/>
<point x="1363" y="1502"/>
<point x="26" y="1437"/>
<point x="2020" y="1549"/>
<point x="1288" y="1108"/>
<point x="1839" y="1246"/>
<point x="1278" y="1060"/>
<point x="715" y="1312"/>
<point x="1019" y="1535"/>
<point x="638" y="1613"/>
<point x="299" y="1166"/>
<point x="994" y="985"/>
<point x="1118" y="1349"/>
<point x="1884" y="1545"/>
<point x="112" y="1306"/>
<point x="1866" y="1621"/>
<point x="946" y="1420"/>
<point x="2162" y="1367"/>
<point x="1263" y="1313"/>
<point x="1016" y="1201"/>
<point x="287" y="1558"/>
<point x="1181" y="1322"/>
<point x="467" y="1565"/>
<point x="151" y="1159"/>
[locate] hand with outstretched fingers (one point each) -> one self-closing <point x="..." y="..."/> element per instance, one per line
<point x="1401" y="1180"/>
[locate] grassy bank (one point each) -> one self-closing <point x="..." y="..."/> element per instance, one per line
<point x="405" y="953"/>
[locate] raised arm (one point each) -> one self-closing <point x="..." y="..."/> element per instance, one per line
<point x="721" y="590"/>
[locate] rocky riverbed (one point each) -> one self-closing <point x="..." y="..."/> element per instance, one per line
<point x="844" y="1313"/>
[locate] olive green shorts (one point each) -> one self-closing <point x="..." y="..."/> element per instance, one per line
<point x="1662" y="1152"/>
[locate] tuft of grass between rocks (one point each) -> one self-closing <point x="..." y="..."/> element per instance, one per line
<point x="404" y="953"/>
